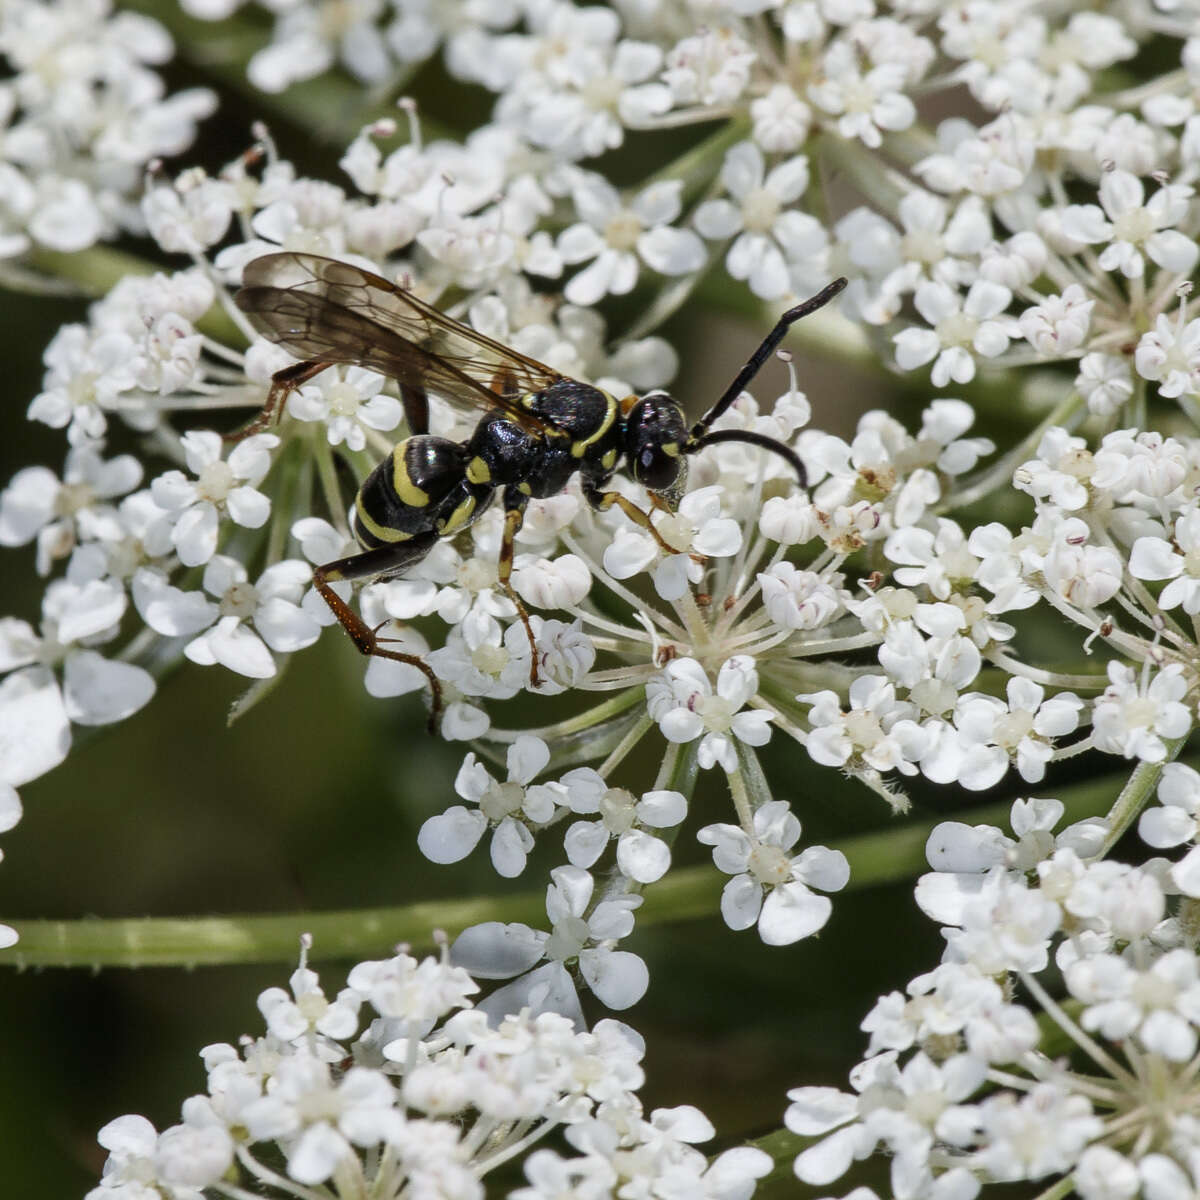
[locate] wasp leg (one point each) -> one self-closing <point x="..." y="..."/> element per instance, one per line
<point x="514" y="516"/>
<point x="603" y="501"/>
<point x="383" y="560"/>
<point x="416" y="407"/>
<point x="504" y="383"/>
<point x="283" y="384"/>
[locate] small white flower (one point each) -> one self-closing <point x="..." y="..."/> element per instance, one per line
<point x="508" y="808"/>
<point x="864" y="103"/>
<point x="781" y="120"/>
<point x="272" y="606"/>
<point x="221" y="487"/>
<point x="960" y="327"/>
<point x="297" y="1017"/>
<point x="682" y="700"/>
<point x="614" y="235"/>
<point x="1133" y="719"/>
<point x="322" y="1119"/>
<point x="1059" y="325"/>
<point x="581" y="933"/>
<point x="1169" y="355"/>
<point x="1175" y="822"/>
<point x="796" y="599"/>
<point x="877" y="729"/>
<point x="1159" y="1005"/>
<point x="711" y="68"/>
<point x="349" y="402"/>
<point x="1133" y="227"/>
<point x="87" y="373"/>
<point x="641" y="856"/>
<point x="772" y="888"/>
<point x="770" y="235"/>
<point x="1154" y="558"/>
<point x="1104" y="381"/>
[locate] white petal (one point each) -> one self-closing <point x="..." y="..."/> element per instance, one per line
<point x="685" y="1122"/>
<point x="671" y="251"/>
<point x="1186" y="873"/>
<point x="317" y="1153"/>
<point x="169" y="610"/>
<point x="451" y="836"/>
<point x="585" y="842"/>
<point x="662" y="809"/>
<point x="285" y="626"/>
<point x="792" y="912"/>
<point x="827" y="1160"/>
<point x="642" y="858"/>
<point x="248" y="507"/>
<point x="511" y="844"/>
<point x="236" y="648"/>
<point x="528" y="757"/>
<point x="547" y="989"/>
<point x="10" y="808"/>
<point x="494" y="950"/>
<point x="618" y="978"/>
<point x="817" y="1110"/>
<point x="195" y="535"/>
<point x="741" y="902"/>
<point x="35" y="733"/>
<point x="98" y="691"/>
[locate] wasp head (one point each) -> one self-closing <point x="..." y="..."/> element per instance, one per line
<point x="655" y="437"/>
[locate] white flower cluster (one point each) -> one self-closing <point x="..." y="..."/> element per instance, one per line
<point x="428" y="1099"/>
<point x="82" y="114"/>
<point x="963" y="1085"/>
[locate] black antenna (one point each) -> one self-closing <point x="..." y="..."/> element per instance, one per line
<point x="755" y="439"/>
<point x="752" y="368"/>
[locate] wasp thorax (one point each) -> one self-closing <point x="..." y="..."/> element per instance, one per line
<point x="655" y="436"/>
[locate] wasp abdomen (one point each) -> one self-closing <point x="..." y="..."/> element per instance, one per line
<point x="500" y="452"/>
<point x="406" y="493"/>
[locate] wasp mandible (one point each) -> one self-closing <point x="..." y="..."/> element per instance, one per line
<point x="538" y="429"/>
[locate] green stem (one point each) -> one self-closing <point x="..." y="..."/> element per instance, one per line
<point x="999" y="473"/>
<point x="699" y="164"/>
<point x="1135" y="794"/>
<point x="783" y="1145"/>
<point x="93" y="271"/>
<point x="594" y="715"/>
<point x="98" y="269"/>
<point x="894" y="854"/>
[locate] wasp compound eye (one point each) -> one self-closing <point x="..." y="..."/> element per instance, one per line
<point x="655" y="434"/>
<point x="657" y="468"/>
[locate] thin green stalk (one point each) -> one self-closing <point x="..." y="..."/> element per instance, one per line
<point x="889" y="856"/>
<point x="1136" y="793"/>
<point x="699" y="164"/>
<point x="98" y="269"/>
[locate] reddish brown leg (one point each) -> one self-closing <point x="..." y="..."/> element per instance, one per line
<point x="380" y="561"/>
<point x="513" y="517"/>
<point x="283" y="384"/>
<point x="603" y="501"/>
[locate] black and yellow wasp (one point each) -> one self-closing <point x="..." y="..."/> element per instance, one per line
<point x="538" y="429"/>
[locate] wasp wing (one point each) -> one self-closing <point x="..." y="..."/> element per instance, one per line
<point x="321" y="308"/>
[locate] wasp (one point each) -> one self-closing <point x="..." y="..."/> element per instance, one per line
<point x="538" y="428"/>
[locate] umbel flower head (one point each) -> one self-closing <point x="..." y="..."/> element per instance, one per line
<point x="399" y="1085"/>
<point x="960" y="1084"/>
